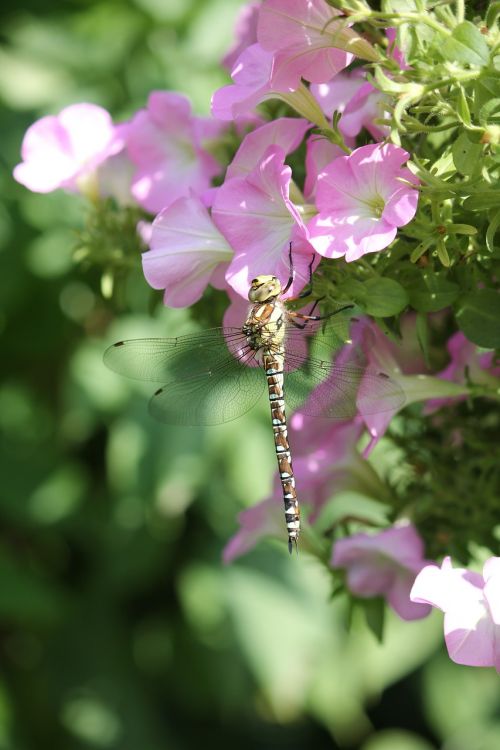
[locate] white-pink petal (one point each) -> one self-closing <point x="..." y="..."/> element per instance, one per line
<point x="447" y="587"/>
<point x="470" y="634"/>
<point x="258" y="219"/>
<point x="164" y="143"/>
<point x="491" y="574"/>
<point x="398" y="597"/>
<point x="251" y="75"/>
<point x="303" y="40"/>
<point x="58" y="149"/>
<point x="285" y="132"/>
<point x="186" y="248"/>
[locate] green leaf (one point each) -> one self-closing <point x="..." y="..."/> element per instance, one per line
<point x="384" y="297"/>
<point x="492" y="14"/>
<point x="430" y="293"/>
<point x="442" y="253"/>
<point x="478" y="317"/>
<point x="466" y="45"/>
<point x="490" y="112"/>
<point x="374" y="610"/>
<point x="466" y="229"/>
<point x="492" y="230"/>
<point x="485" y="88"/>
<point x="466" y="154"/>
<point x="482" y="201"/>
<point x="463" y="107"/>
<point x="421" y="248"/>
<point x="423" y="336"/>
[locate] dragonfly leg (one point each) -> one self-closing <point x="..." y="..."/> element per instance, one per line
<point x="301" y="316"/>
<point x="308" y="287"/>
<point x="290" y="275"/>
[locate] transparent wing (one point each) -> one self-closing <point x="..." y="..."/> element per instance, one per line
<point x="161" y="360"/>
<point x="318" y="338"/>
<point x="320" y="388"/>
<point x="220" y="394"/>
<point x="211" y="376"/>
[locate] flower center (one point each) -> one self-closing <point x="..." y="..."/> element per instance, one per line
<point x="376" y="204"/>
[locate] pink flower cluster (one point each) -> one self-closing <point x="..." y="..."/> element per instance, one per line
<point x="163" y="160"/>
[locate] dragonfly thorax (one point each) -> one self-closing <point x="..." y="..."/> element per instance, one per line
<point x="265" y="326"/>
<point x="264" y="288"/>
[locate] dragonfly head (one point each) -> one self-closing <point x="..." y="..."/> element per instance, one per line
<point x="264" y="288"/>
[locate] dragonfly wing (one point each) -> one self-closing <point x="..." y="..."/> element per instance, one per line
<point x="320" y="388"/>
<point x="220" y="394"/>
<point x="330" y="334"/>
<point x="161" y="360"/>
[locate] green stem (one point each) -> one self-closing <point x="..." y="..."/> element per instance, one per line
<point x="460" y="12"/>
<point x="411" y="18"/>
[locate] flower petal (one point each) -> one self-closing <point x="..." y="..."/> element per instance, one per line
<point x="186" y="247"/>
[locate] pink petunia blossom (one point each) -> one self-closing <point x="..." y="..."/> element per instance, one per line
<point x="394" y="51"/>
<point x="382" y="357"/>
<point x="384" y="564"/>
<point x="304" y="41"/>
<point x="258" y="219"/>
<point x="251" y="85"/>
<point x="358" y="102"/>
<point x="471" y="603"/>
<point x="334" y="95"/>
<point x="186" y="252"/>
<point x="466" y="364"/>
<point x="362" y="201"/>
<point x="367" y="105"/>
<point x="114" y="178"/>
<point x="245" y="33"/>
<point x="319" y="152"/>
<point x="165" y="142"/>
<point x="285" y="132"/>
<point x="64" y="150"/>
<point x="265" y="519"/>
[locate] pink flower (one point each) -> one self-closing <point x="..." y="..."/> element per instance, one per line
<point x="186" y="252"/>
<point x="466" y="364"/>
<point x="394" y="50"/>
<point x="165" y="143"/>
<point x="258" y="219"/>
<point x="252" y="85"/>
<point x="304" y="41"/>
<point x="358" y="102"/>
<point x="285" y="132"/>
<point x="334" y="95"/>
<point x="327" y="461"/>
<point x="319" y="153"/>
<point x="384" y="564"/>
<point x="64" y="150"/>
<point x="367" y="105"/>
<point x="362" y="201"/>
<point x="245" y="33"/>
<point x="114" y="178"/>
<point x="471" y="604"/>
<point x="382" y="357"/>
<point x="261" y="520"/>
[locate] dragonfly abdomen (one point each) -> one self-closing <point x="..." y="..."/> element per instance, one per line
<point x="273" y="366"/>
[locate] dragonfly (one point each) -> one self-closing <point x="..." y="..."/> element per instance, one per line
<point x="215" y="376"/>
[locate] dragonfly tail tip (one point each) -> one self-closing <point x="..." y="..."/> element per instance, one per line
<point x="292" y="542"/>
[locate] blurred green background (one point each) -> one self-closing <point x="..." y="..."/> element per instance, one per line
<point x="119" y="625"/>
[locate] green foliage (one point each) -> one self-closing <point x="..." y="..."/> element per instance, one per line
<point x="119" y="626"/>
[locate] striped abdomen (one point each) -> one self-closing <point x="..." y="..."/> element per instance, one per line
<point x="273" y="366"/>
